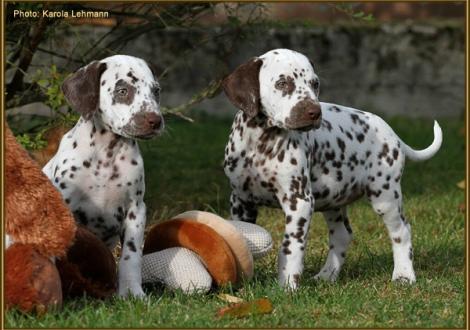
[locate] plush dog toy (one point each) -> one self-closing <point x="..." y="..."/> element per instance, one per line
<point x="46" y="255"/>
<point x="197" y="248"/>
<point x="39" y="227"/>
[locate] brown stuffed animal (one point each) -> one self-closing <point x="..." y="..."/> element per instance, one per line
<point x="35" y="212"/>
<point x="89" y="267"/>
<point x="32" y="282"/>
<point x="39" y="229"/>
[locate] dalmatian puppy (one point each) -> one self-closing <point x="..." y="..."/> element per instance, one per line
<point x="98" y="167"/>
<point x="286" y="149"/>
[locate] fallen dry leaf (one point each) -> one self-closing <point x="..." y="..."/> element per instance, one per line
<point x="461" y="184"/>
<point x="229" y="298"/>
<point x="255" y="307"/>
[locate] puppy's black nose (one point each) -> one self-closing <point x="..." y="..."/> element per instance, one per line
<point x="153" y="120"/>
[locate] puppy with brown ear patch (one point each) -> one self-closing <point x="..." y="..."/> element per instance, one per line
<point x="289" y="150"/>
<point x="98" y="167"/>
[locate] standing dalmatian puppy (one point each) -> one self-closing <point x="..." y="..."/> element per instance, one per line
<point x="288" y="149"/>
<point x="98" y="167"/>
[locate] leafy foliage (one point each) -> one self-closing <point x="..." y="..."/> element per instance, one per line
<point x="48" y="82"/>
<point x="32" y="141"/>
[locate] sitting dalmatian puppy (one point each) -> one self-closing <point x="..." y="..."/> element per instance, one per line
<point x="286" y="149"/>
<point x="98" y="167"/>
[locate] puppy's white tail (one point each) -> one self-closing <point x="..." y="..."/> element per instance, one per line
<point x="430" y="151"/>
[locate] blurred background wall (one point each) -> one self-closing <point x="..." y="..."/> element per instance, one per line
<point x="388" y="58"/>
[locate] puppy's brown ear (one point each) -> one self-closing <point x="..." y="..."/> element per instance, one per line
<point x="82" y="89"/>
<point x="242" y="87"/>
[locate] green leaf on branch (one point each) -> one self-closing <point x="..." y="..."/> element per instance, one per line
<point x="358" y="14"/>
<point x="32" y="142"/>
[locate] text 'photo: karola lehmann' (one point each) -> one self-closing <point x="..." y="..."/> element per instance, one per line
<point x="60" y="14"/>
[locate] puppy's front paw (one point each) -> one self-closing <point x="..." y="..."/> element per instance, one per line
<point x="404" y="276"/>
<point x="289" y="281"/>
<point x="126" y="291"/>
<point x="327" y="274"/>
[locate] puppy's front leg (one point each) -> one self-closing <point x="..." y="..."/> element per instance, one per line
<point x="298" y="211"/>
<point x="130" y="264"/>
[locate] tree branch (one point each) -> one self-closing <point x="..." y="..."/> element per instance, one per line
<point x="207" y="93"/>
<point x="29" y="47"/>
<point x="69" y="58"/>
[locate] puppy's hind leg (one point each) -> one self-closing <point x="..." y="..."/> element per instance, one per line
<point x="388" y="204"/>
<point x="340" y="234"/>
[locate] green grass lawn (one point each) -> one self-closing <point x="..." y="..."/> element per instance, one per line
<point x="184" y="171"/>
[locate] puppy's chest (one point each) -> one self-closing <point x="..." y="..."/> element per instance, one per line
<point x="101" y="202"/>
<point x="100" y="181"/>
<point x="267" y="170"/>
<point x="107" y="192"/>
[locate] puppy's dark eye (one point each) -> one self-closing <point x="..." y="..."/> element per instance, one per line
<point x="281" y="84"/>
<point x="156" y="93"/>
<point x="122" y="91"/>
<point x="315" y="84"/>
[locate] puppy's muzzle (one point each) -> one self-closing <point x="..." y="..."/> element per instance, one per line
<point x="144" y="125"/>
<point x="305" y="115"/>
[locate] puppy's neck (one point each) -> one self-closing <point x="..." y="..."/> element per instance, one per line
<point x="258" y="135"/>
<point x="98" y="142"/>
<point x="262" y="126"/>
<point x="263" y="137"/>
<point x="97" y="134"/>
